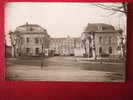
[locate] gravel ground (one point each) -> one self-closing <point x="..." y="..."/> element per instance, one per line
<point x="63" y="69"/>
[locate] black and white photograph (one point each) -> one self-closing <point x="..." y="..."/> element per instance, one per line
<point x="70" y="41"/>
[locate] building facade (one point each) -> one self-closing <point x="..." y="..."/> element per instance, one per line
<point x="97" y="40"/>
<point x="100" y="40"/>
<point x="62" y="46"/>
<point x="66" y="46"/>
<point x="29" y="40"/>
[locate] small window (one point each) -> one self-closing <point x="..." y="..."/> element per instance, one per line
<point x="118" y="48"/>
<point x="27" y="40"/>
<point x="110" y="50"/>
<point x="90" y="40"/>
<point x="100" y="39"/>
<point x="31" y="29"/>
<point x="100" y="50"/>
<point x="110" y="39"/>
<point x="36" y="40"/>
<point x="27" y="50"/>
<point x="22" y="40"/>
<point x="37" y="51"/>
<point x="104" y="28"/>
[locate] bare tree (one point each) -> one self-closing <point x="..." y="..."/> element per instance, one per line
<point x="13" y="42"/>
<point x="115" y="8"/>
<point x="42" y="52"/>
<point x="83" y="38"/>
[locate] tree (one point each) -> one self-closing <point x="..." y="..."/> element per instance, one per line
<point x="90" y="37"/>
<point x="122" y="44"/>
<point x="83" y="38"/>
<point x="42" y="52"/>
<point x="13" y="42"/>
<point x="115" y="8"/>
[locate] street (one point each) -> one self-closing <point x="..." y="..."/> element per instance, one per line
<point x="61" y="68"/>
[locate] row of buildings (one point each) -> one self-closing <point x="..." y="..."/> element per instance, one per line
<point x="97" y="40"/>
<point x="66" y="46"/>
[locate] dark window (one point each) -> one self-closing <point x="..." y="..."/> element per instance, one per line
<point x="36" y="40"/>
<point x="100" y="50"/>
<point x="37" y="50"/>
<point x="22" y="40"/>
<point x="104" y="28"/>
<point x="100" y="39"/>
<point x="110" y="50"/>
<point x="90" y="54"/>
<point x="27" y="50"/>
<point x="31" y="28"/>
<point x="89" y="38"/>
<point x="27" y="40"/>
<point x="118" y="48"/>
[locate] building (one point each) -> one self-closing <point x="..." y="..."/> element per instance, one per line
<point x="67" y="46"/>
<point x="29" y="40"/>
<point x="62" y="46"/>
<point x="100" y="40"/>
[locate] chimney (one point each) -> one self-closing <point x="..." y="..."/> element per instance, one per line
<point x="26" y="23"/>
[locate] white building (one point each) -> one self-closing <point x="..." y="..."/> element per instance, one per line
<point x="29" y="40"/>
<point x="67" y="46"/>
<point x="62" y="46"/>
<point x="100" y="40"/>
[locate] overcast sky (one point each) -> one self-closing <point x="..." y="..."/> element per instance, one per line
<point x="60" y="19"/>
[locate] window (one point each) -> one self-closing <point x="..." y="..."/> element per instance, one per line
<point x="27" y="40"/>
<point x="109" y="39"/>
<point x="37" y="51"/>
<point x="90" y="54"/>
<point x="100" y="50"/>
<point x="36" y="40"/>
<point x="110" y="50"/>
<point x="21" y="40"/>
<point x="27" y="50"/>
<point x="89" y="38"/>
<point x="104" y="28"/>
<point x="100" y="39"/>
<point x="31" y="29"/>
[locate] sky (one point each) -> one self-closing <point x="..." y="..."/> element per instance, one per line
<point x="59" y="19"/>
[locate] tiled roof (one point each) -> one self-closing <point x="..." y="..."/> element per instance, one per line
<point x="30" y="28"/>
<point x="99" y="27"/>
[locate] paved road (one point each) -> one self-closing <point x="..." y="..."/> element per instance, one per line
<point x="63" y="69"/>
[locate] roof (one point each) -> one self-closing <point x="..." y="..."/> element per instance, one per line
<point x="30" y="28"/>
<point x="99" y="27"/>
<point x="66" y="38"/>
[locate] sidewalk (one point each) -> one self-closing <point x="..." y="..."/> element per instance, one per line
<point x="101" y="60"/>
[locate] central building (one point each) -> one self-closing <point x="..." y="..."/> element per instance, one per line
<point x="62" y="46"/>
<point x="66" y="46"/>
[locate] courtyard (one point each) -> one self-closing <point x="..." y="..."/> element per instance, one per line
<point x="63" y="68"/>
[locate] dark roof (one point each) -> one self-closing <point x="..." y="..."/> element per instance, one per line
<point x="30" y="25"/>
<point x="99" y="27"/>
<point x="61" y="38"/>
<point x="30" y="28"/>
<point x="66" y="38"/>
